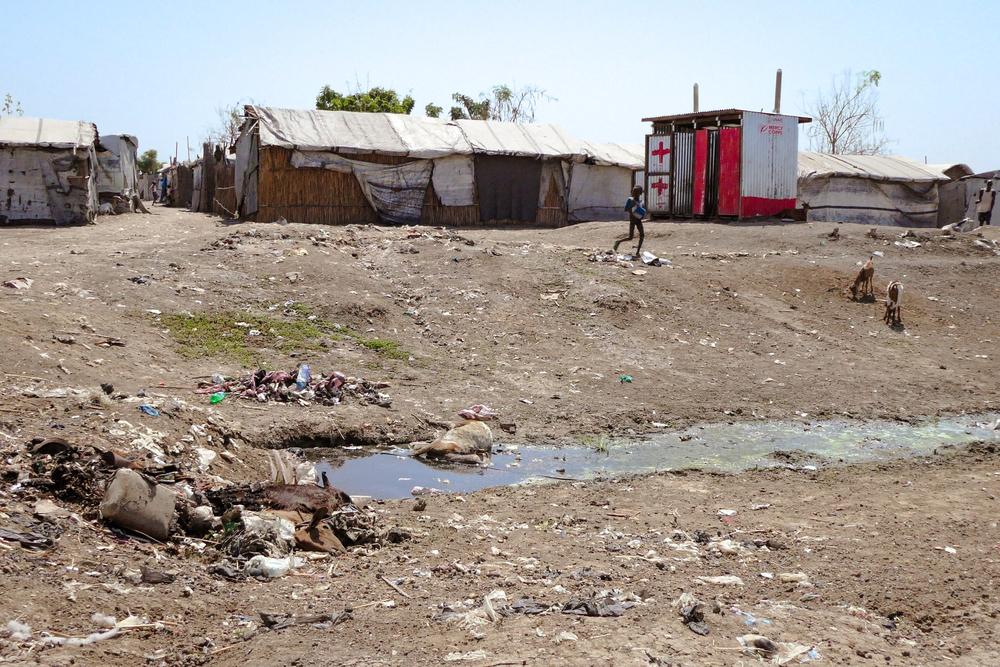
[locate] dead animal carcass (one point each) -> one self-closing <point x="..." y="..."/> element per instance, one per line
<point x="319" y="501"/>
<point x="471" y="442"/>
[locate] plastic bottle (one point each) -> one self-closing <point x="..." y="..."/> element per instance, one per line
<point x="217" y="397"/>
<point x="304" y="376"/>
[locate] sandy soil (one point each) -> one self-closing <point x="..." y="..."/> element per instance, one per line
<point x="751" y="322"/>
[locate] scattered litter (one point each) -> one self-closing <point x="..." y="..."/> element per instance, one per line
<point x="950" y="550"/>
<point x="19" y="283"/>
<point x="779" y="653"/>
<point x="472" y="619"/>
<point x="727" y="512"/>
<point x="217" y="397"/>
<point x="907" y="244"/>
<point x="565" y="636"/>
<point x="18" y="631"/>
<point x="272" y="568"/>
<point x="625" y="379"/>
<point x="649" y="259"/>
<point x="301" y="387"/>
<point x="478" y="412"/>
<point x="604" y="604"/>
<point x="150" y="410"/>
<point x="692" y="613"/>
<point x="282" y="621"/>
<point x="466" y="657"/>
<point x="721" y="580"/>
<point x="800" y="578"/>
<point x="136" y="503"/>
<point x="748" y="618"/>
<point x="528" y="607"/>
<point x="639" y="272"/>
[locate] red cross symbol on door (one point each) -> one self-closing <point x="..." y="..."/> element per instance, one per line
<point x="659" y="186"/>
<point x="660" y="152"/>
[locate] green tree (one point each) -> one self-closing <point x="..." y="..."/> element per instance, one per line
<point x="506" y="103"/>
<point x="10" y="106"/>
<point x="846" y="118"/>
<point x="374" y="100"/>
<point x="147" y="162"/>
<point x="433" y="111"/>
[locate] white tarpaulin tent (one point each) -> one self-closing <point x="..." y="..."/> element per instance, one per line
<point x="47" y="170"/>
<point x="450" y="149"/>
<point x="117" y="172"/>
<point x="869" y="189"/>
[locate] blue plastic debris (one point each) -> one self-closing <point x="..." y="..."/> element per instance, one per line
<point x="149" y="410"/>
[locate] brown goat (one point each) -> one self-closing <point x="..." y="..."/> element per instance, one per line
<point x="893" y="292"/>
<point x="864" y="280"/>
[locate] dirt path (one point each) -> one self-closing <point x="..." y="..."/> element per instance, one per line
<point x="751" y="323"/>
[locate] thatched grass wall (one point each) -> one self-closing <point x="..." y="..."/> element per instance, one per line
<point x="323" y="196"/>
<point x="312" y="195"/>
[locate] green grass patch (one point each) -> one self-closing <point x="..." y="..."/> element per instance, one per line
<point x="599" y="443"/>
<point x="245" y="337"/>
<point x="387" y="348"/>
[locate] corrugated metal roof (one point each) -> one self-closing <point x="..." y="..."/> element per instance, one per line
<point x="24" y="131"/>
<point x="728" y="114"/>
<point x="877" y="167"/>
<point x="428" y="138"/>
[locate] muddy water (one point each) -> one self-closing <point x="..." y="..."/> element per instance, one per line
<point x="718" y="447"/>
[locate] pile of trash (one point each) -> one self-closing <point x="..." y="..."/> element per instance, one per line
<point x="300" y="386"/>
<point x="610" y="256"/>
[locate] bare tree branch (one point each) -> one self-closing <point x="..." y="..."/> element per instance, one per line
<point x="846" y="118"/>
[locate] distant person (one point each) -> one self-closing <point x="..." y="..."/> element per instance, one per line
<point x="152" y="191"/>
<point x="636" y="212"/>
<point x="163" y="189"/>
<point x="984" y="203"/>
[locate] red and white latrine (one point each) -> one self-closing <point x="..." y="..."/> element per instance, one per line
<point x="729" y="163"/>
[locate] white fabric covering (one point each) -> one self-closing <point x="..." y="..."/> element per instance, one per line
<point x="454" y="180"/>
<point x="598" y="193"/>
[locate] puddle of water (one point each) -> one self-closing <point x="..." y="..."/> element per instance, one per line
<point x="717" y="447"/>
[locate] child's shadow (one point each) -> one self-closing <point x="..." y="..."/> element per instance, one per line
<point x="867" y="298"/>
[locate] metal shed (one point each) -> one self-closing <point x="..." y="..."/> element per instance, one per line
<point x="727" y="163"/>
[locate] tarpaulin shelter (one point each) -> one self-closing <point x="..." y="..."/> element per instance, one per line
<point x="958" y="197"/>
<point x="872" y="189"/>
<point x="346" y="167"/>
<point x="47" y="171"/>
<point x="117" y="173"/>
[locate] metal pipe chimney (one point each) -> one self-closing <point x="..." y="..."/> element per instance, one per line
<point x="696" y="98"/>
<point x="777" y="92"/>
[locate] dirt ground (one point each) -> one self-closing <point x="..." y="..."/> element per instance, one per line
<point x="751" y="322"/>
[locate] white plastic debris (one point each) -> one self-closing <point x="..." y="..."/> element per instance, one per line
<point x="18" y="631"/>
<point x="103" y="620"/>
<point x="565" y="636"/>
<point x="721" y="580"/>
<point x="272" y="568"/>
<point x="466" y="657"/>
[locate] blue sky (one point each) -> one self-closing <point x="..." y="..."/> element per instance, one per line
<point x="160" y="70"/>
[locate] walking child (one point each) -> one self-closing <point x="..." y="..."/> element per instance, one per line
<point x="636" y="212"/>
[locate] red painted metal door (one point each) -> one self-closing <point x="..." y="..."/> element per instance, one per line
<point x="729" y="171"/>
<point x="700" y="170"/>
